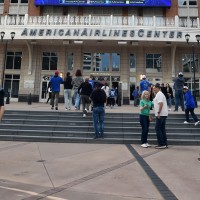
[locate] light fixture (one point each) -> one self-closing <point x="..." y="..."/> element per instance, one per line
<point x="12" y="34"/>
<point x="187" y="37"/>
<point x="2" y="35"/>
<point x="134" y="43"/>
<point x="65" y="42"/>
<point x="122" y="42"/>
<point x="168" y="43"/>
<point x="198" y="38"/>
<point x="33" y="42"/>
<point x="78" y="42"/>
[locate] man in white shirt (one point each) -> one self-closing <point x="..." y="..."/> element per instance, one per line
<point x="161" y="113"/>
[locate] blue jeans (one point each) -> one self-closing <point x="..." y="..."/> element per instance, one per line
<point x="144" y="122"/>
<point x="169" y="102"/>
<point x="179" y="99"/>
<point x="98" y="121"/>
<point x="161" y="131"/>
<point x="68" y="97"/>
<point x="77" y="99"/>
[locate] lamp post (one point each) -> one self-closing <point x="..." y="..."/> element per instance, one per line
<point x="12" y="35"/>
<point x="187" y="37"/>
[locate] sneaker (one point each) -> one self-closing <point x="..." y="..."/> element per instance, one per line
<point x="185" y="122"/>
<point x="56" y="108"/>
<point x="175" y="110"/>
<point x="84" y="115"/>
<point x="95" y="137"/>
<point x="161" y="147"/>
<point x="169" y="109"/>
<point x="196" y="123"/>
<point x="69" y="108"/>
<point x="86" y="110"/>
<point x="144" y="145"/>
<point x="52" y="108"/>
<point x="148" y="145"/>
<point x="66" y="108"/>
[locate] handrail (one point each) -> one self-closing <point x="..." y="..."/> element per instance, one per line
<point x="90" y="20"/>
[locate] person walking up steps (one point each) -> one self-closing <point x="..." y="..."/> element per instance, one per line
<point x="76" y="82"/>
<point x="189" y="106"/>
<point x="55" y="82"/>
<point x="85" y="90"/>
<point x="112" y="95"/>
<point x="68" y="91"/>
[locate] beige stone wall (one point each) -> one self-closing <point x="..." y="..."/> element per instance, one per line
<point x="125" y="74"/>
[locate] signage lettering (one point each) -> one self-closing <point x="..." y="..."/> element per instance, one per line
<point x="87" y="32"/>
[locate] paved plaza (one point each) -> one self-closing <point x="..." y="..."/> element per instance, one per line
<point x="76" y="171"/>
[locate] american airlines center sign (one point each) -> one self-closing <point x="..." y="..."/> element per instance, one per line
<point x="109" y="34"/>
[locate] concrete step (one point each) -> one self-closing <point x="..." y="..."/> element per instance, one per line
<point x="72" y="127"/>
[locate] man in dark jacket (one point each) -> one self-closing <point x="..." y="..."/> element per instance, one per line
<point x="178" y="87"/>
<point x="54" y="83"/>
<point x="85" y="90"/>
<point x="68" y="91"/>
<point x="98" y="97"/>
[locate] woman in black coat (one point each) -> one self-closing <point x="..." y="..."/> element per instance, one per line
<point x="169" y="96"/>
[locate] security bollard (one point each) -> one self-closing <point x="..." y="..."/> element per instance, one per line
<point x="29" y="99"/>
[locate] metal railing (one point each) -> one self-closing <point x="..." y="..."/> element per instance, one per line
<point x="90" y="20"/>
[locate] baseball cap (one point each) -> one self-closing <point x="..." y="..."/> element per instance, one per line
<point x="143" y="76"/>
<point x="57" y="72"/>
<point x="185" y="87"/>
<point x="180" y="74"/>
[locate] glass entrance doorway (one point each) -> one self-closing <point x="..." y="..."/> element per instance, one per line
<point x="11" y="86"/>
<point x="44" y="89"/>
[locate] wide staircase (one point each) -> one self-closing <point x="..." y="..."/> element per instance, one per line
<point x="44" y="126"/>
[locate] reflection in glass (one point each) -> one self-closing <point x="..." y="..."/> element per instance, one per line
<point x="190" y="83"/>
<point x="49" y="61"/>
<point x="132" y="61"/>
<point x="96" y="62"/>
<point x="101" y="62"/>
<point x="11" y="85"/>
<point x="115" y="62"/>
<point x="104" y="61"/>
<point x="154" y="61"/>
<point x="188" y="64"/>
<point x="13" y="60"/>
<point x="70" y="61"/>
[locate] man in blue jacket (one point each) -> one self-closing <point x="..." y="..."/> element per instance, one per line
<point x="189" y="106"/>
<point x="55" y="82"/>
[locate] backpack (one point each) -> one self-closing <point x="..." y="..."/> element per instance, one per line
<point x="112" y="93"/>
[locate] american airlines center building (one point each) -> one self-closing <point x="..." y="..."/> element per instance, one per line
<point x="116" y="41"/>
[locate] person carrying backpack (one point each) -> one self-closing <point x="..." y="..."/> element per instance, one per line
<point x="112" y="95"/>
